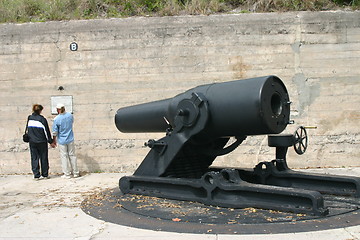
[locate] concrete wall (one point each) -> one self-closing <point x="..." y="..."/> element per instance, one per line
<point x="123" y="62"/>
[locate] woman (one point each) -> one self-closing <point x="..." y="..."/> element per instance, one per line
<point x="39" y="137"/>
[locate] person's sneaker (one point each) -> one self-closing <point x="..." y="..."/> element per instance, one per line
<point x="66" y="176"/>
<point x="76" y="175"/>
<point x="42" y="177"/>
<point x="36" y="179"/>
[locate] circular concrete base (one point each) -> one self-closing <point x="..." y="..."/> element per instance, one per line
<point x="191" y="217"/>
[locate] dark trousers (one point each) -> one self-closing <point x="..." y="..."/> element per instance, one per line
<point x="39" y="151"/>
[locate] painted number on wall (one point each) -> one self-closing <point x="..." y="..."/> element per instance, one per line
<point x="73" y="46"/>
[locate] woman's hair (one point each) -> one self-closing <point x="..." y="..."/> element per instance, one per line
<point x="37" y="108"/>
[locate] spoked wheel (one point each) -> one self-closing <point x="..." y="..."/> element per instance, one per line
<point x="301" y="140"/>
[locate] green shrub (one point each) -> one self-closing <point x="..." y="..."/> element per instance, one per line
<point x="45" y="10"/>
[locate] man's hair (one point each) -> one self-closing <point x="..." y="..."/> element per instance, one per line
<point x="62" y="109"/>
<point x="37" y="108"/>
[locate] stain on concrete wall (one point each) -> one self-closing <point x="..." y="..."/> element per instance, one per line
<point x="307" y="92"/>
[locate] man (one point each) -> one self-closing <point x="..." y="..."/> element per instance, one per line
<point x="64" y="135"/>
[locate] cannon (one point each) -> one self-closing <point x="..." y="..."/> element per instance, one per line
<point x="198" y="125"/>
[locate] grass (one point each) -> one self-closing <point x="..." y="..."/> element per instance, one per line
<point x="20" y="11"/>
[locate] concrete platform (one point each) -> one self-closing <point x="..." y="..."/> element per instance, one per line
<point x="50" y="209"/>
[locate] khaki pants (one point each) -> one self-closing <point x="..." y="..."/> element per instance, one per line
<point x="68" y="159"/>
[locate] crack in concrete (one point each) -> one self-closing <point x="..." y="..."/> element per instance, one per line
<point x="352" y="235"/>
<point x="56" y="42"/>
<point x="98" y="231"/>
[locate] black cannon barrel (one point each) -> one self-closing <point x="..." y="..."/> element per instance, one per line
<point x="146" y="117"/>
<point x="242" y="107"/>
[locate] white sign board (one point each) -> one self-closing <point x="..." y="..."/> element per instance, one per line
<point x="66" y="100"/>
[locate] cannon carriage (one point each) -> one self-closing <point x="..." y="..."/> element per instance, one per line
<point x="198" y="125"/>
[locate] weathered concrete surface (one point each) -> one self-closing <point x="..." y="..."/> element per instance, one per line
<point x="122" y="62"/>
<point x="50" y="209"/>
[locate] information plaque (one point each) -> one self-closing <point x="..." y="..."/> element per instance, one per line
<point x="66" y="100"/>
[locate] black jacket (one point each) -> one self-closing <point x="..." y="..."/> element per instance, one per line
<point x="38" y="129"/>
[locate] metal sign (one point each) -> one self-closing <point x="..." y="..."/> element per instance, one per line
<point x="66" y="100"/>
<point x="73" y="46"/>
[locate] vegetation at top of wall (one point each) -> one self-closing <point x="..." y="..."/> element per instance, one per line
<point x="20" y="11"/>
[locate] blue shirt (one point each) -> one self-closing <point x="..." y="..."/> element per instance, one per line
<point x="62" y="128"/>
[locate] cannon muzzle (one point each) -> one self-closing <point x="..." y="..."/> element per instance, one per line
<point x="243" y="107"/>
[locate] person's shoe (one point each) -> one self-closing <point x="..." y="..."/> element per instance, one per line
<point x="76" y="175"/>
<point x="36" y="179"/>
<point x="42" y="177"/>
<point x="66" y="176"/>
